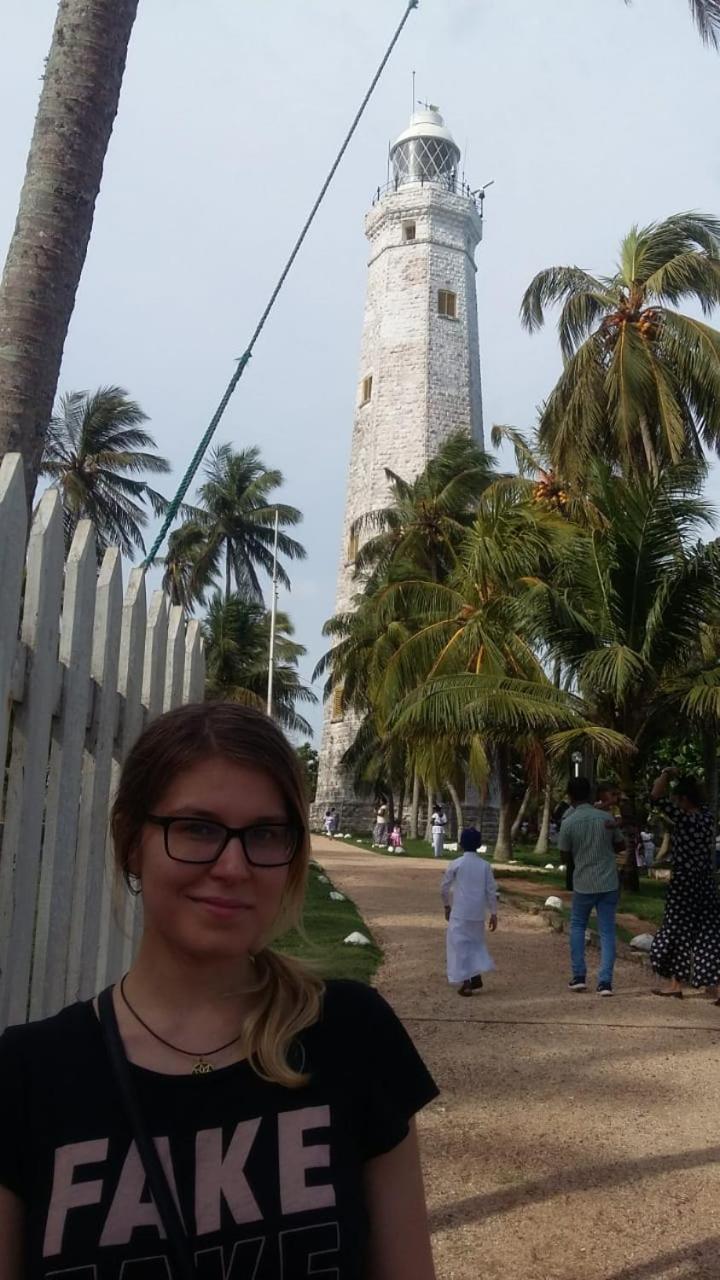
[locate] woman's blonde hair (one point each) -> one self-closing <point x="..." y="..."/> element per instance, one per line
<point x="285" y="997"/>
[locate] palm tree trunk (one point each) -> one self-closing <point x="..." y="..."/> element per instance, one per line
<point x="543" y="841"/>
<point x="228" y="571"/>
<point x="428" y="823"/>
<point x="415" y="808"/>
<point x="458" y="808"/>
<point x="503" y="844"/>
<point x="78" y="105"/>
<point x="401" y="803"/>
<point x="515" y="828"/>
<point x="648" y="447"/>
<point x="630" y="876"/>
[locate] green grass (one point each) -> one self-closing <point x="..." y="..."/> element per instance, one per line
<point x="412" y="848"/>
<point x="648" y="904"/>
<point x="524" y="854"/>
<point x="326" y="923"/>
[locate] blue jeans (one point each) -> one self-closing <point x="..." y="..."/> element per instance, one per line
<point x="606" y="906"/>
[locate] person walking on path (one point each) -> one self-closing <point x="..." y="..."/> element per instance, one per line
<point x="469" y="895"/>
<point x="438" y="823"/>
<point x="298" y="1095"/>
<point x="591" y="837"/>
<point x="380" y="829"/>
<point x="686" y="948"/>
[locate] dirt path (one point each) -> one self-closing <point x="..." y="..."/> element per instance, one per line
<point x="576" y="1138"/>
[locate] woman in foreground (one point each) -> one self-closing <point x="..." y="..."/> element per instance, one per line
<point x="220" y="1112"/>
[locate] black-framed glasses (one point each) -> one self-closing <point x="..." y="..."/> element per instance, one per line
<point x="265" y="844"/>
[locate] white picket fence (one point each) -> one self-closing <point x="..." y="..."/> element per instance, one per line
<point x="81" y="672"/>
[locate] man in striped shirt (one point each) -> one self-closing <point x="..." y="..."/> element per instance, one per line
<point x="591" y="837"/>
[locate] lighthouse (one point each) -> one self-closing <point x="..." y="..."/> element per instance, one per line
<point x="419" y="375"/>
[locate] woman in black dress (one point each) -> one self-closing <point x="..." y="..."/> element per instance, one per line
<point x="686" y="949"/>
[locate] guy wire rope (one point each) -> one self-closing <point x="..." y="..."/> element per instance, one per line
<point x="197" y="457"/>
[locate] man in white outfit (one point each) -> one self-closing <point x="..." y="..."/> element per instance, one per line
<point x="438" y="823"/>
<point x="469" y="885"/>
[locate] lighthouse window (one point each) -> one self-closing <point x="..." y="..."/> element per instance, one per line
<point x="447" y="304"/>
<point x="366" y="394"/>
<point x="409" y="231"/>
<point x="353" y="548"/>
<point x="337" y="702"/>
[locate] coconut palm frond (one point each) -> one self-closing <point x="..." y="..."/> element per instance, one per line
<point x="94" y="449"/>
<point x="553" y="285"/>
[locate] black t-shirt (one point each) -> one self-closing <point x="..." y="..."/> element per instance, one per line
<point x="269" y="1180"/>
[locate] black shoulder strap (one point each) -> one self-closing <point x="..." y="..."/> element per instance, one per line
<point x="158" y="1183"/>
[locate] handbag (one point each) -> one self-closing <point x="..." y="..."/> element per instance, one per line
<point x="177" y="1239"/>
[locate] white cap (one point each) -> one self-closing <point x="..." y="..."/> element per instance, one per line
<point x="427" y="123"/>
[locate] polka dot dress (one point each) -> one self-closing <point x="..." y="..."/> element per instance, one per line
<point x="687" y="946"/>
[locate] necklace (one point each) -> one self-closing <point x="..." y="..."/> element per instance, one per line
<point x="202" y="1067"/>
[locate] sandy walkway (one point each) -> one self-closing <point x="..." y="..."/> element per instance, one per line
<point x="576" y="1138"/>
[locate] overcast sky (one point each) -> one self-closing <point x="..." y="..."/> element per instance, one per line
<point x="587" y="115"/>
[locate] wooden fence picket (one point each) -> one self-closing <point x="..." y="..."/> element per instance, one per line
<point x="153" y="688"/>
<point x="92" y="833"/>
<point x="25" y="804"/>
<point x="175" y="661"/>
<point x="47" y="992"/>
<point x="118" y="909"/>
<point x="194" y="681"/>
<point x="81" y="672"/>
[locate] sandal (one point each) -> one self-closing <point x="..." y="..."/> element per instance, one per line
<point x="672" y="995"/>
<point x="465" y="989"/>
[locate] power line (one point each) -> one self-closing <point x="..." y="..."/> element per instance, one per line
<point x="244" y="359"/>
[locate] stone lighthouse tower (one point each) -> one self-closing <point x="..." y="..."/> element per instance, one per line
<point x="419" y="376"/>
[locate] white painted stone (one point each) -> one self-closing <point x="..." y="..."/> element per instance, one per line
<point x="338" y="897"/>
<point x="643" y="942"/>
<point x="553" y="904"/>
<point x="357" y="940"/>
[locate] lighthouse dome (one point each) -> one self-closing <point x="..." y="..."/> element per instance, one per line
<point x="426" y="151"/>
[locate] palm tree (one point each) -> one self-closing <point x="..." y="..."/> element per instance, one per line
<point x="237" y="515"/>
<point x="188" y="570"/>
<point x="638" y="597"/>
<point x="356" y="663"/>
<point x="78" y="105"/>
<point x="417" y="534"/>
<point x="479" y="623"/>
<point x="95" y="448"/>
<point x="641" y="381"/>
<point x="237" y="647"/>
<point x="424" y="521"/>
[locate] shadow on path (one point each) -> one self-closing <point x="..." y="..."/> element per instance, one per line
<point x="596" y="1177"/>
<point x="690" y="1263"/>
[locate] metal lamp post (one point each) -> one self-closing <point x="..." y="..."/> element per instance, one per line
<point x="577" y="760"/>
